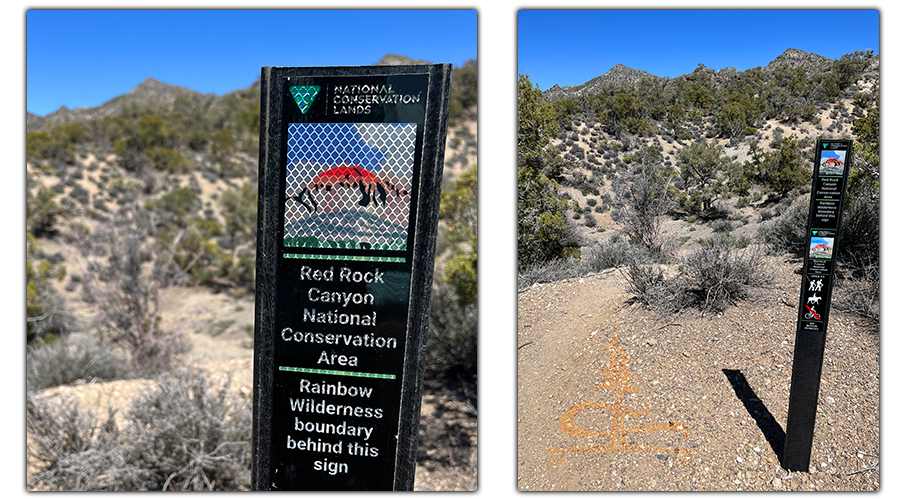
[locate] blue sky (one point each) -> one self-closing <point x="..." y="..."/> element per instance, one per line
<point x="569" y="47"/>
<point x="86" y="57"/>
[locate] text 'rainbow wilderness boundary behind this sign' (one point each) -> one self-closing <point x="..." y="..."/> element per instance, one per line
<point x="350" y="173"/>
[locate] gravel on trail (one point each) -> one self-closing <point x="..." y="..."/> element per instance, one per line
<point x="708" y="393"/>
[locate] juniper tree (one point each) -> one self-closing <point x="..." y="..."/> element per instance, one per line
<point x="543" y="232"/>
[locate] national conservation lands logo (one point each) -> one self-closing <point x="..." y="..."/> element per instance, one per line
<point x="617" y="379"/>
<point x="304" y="95"/>
<point x="348" y="185"/>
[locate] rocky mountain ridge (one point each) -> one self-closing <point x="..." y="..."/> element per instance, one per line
<point x="617" y="75"/>
<point x="160" y="96"/>
<point x="620" y="75"/>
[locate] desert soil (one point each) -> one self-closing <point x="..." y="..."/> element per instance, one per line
<point x="724" y="377"/>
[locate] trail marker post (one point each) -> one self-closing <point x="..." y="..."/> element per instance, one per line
<point x="349" y="189"/>
<point x="830" y="175"/>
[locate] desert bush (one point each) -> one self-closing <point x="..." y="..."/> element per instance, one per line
<point x="615" y="252"/>
<point x="452" y="343"/>
<point x="710" y="278"/>
<point x="577" y="151"/>
<point x="45" y="315"/>
<point x="56" y="142"/>
<point x="722" y="226"/>
<point x="80" y="194"/>
<point x="611" y="253"/>
<point x="643" y="195"/>
<point x="860" y="224"/>
<point x="127" y="291"/>
<point x="548" y="271"/>
<point x="720" y="272"/>
<point x="650" y="287"/>
<point x="70" y="358"/>
<point x="41" y="208"/>
<point x="859" y="293"/>
<point x="189" y="432"/>
<point x="67" y="445"/>
<point x="787" y="232"/>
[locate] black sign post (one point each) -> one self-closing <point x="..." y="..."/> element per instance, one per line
<point x="349" y="190"/>
<point x="826" y="203"/>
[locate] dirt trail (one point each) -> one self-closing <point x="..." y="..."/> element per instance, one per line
<point x="689" y="370"/>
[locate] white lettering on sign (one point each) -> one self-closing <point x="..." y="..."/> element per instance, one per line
<point x="337" y="359"/>
<point x="349" y="275"/>
<point x="343" y="298"/>
<point x="336" y="318"/>
<point x="366" y="340"/>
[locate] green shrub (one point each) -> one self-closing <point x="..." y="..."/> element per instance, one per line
<point x="41" y="210"/>
<point x="55" y="142"/>
<point x="167" y="159"/>
<point x="45" y="315"/>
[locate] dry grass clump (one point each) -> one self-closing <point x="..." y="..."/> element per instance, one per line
<point x="711" y="278"/>
<point x="189" y="433"/>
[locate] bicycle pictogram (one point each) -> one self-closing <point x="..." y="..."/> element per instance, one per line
<point x="812" y="314"/>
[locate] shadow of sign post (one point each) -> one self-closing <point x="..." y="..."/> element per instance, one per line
<point x="766" y="422"/>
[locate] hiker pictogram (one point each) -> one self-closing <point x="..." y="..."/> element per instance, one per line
<point x="815" y="285"/>
<point x="617" y="379"/>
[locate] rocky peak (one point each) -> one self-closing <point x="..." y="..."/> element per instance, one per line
<point x="155" y="91"/>
<point x="398" y="60"/>
<point x="617" y="75"/>
<point x="794" y="58"/>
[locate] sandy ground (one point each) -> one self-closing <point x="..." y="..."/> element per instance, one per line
<point x="711" y="393"/>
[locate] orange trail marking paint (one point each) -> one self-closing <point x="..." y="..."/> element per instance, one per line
<point x="618" y="379"/>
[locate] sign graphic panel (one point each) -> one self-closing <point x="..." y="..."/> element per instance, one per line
<point x="353" y="189"/>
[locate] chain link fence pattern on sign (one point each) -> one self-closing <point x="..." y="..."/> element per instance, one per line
<point x="348" y="185"/>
